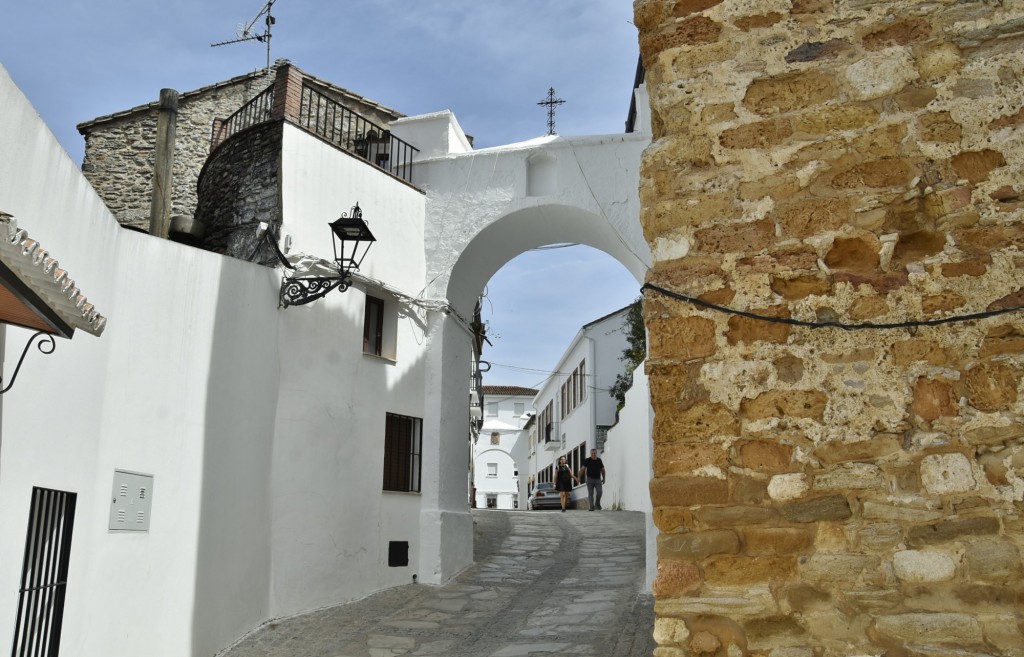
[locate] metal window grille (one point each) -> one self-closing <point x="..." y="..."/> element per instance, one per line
<point x="44" y="574"/>
<point x="403" y="444"/>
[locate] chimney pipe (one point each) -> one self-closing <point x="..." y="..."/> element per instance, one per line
<point x="160" y="207"/>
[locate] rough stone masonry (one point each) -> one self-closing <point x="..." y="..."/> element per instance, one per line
<point x="819" y="491"/>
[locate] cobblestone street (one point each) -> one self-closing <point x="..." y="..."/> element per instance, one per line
<point x="543" y="583"/>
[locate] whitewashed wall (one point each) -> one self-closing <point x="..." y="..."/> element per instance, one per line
<point x="628" y="455"/>
<point x="176" y="363"/>
<point x="329" y="516"/>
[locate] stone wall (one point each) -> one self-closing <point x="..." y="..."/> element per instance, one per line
<point x="119" y="150"/>
<point x="822" y="491"/>
<point x="239" y="187"/>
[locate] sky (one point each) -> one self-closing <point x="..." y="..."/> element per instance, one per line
<point x="488" y="61"/>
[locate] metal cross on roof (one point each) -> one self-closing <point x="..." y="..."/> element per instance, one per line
<point x="551" y="102"/>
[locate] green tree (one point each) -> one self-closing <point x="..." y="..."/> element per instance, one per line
<point x="634" y="354"/>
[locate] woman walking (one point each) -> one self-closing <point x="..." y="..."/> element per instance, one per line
<point x="563" y="481"/>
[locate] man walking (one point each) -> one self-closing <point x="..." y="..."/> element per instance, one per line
<point x="595" y="478"/>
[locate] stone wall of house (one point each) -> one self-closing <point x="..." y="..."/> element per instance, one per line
<point x="119" y="152"/>
<point x="239" y="187"/>
<point x="823" y="492"/>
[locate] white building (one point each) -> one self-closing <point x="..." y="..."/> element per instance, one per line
<point x="574" y="409"/>
<point x="499" y="453"/>
<point x="282" y="459"/>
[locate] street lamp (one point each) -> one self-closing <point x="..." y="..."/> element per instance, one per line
<point x="351" y="239"/>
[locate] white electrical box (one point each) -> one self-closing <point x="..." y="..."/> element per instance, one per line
<point x="131" y="501"/>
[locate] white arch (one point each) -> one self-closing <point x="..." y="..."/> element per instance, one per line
<point x="480" y="213"/>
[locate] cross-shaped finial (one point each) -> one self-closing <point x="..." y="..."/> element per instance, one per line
<point x="551" y="102"/>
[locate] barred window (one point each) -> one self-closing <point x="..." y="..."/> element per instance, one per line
<point x="403" y="445"/>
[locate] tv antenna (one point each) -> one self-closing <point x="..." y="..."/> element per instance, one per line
<point x="245" y="32"/>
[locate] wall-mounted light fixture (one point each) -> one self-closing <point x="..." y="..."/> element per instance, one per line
<point x="351" y="239"/>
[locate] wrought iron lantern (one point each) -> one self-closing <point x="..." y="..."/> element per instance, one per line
<point x="351" y="238"/>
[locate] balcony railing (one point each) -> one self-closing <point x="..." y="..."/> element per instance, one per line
<point x="258" y="110"/>
<point x="344" y="128"/>
<point x="324" y="117"/>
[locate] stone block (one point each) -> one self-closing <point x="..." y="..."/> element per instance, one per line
<point x="747" y="490"/>
<point x="783" y="636"/>
<point x="942" y="303"/>
<point x="761" y="135"/>
<point x="938" y="127"/>
<point x="914" y="97"/>
<point x="861" y="253"/>
<point x="697" y="546"/>
<point x="877" y="447"/>
<point x="688" y="491"/>
<point x="842" y="570"/>
<point x="776" y="540"/>
<point x="933" y="398"/>
<point x="735" y="516"/>
<point x="816" y="216"/>
<point x="800" y="287"/>
<point x="686" y="7"/>
<point x="916" y="566"/>
<point x="786" y="93"/>
<point x="681" y="338"/>
<point x="878" y="174"/>
<point x="976" y="165"/>
<point x="817" y="50"/>
<point x="702" y="421"/>
<point x="830" y="507"/>
<point x="676" y="578"/>
<point x="993" y="561"/>
<point x="1008" y="120"/>
<point x="944" y="474"/>
<point x="765" y="456"/>
<point x="911" y="351"/>
<point x="883" y="284"/>
<point x="917" y="246"/>
<point x="949" y="530"/>
<point x="684" y="458"/>
<point x="994" y="435"/>
<point x="900" y="33"/>
<point x="695" y="209"/>
<point x="991" y="386"/>
<point x="1004" y="339"/>
<point x="874" y="510"/>
<point x="745" y="570"/>
<point x="879" y="536"/>
<point x="864" y="308"/>
<point x="744" y="237"/>
<point x="806" y="598"/>
<point x="785" y="404"/>
<point x="789" y="369"/>
<point x="787" y="487"/>
<point x="748" y="330"/>
<point x="673" y="519"/>
<point x="931" y="628"/>
<point x="972" y="267"/>
<point x="855" y="476"/>
<point x="748" y="23"/>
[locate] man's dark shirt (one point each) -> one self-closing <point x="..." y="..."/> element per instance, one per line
<point x="594" y="467"/>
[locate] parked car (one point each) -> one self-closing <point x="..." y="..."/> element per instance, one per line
<point x="546" y="497"/>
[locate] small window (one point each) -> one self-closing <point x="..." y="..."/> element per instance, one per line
<point x="492" y="501"/>
<point x="492" y="469"/>
<point x="403" y="444"/>
<point x="380" y="327"/>
<point x="520" y="408"/>
<point x="492" y="409"/>
<point x="495" y="438"/>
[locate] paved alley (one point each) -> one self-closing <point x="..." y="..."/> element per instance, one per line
<point x="544" y="583"/>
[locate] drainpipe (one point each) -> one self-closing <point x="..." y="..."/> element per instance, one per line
<point x="160" y="207"/>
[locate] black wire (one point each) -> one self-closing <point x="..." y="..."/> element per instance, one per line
<point x="838" y="325"/>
